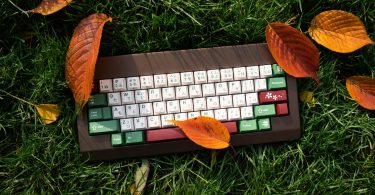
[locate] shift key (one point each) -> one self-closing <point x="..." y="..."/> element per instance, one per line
<point x="264" y="110"/>
<point x="104" y="127"/>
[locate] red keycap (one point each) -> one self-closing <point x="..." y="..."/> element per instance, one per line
<point x="272" y="96"/>
<point x="282" y="109"/>
<point x="176" y="133"/>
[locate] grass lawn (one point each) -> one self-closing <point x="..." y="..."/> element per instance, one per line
<point x="335" y="154"/>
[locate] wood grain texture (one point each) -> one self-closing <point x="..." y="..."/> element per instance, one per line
<point x="362" y="90"/>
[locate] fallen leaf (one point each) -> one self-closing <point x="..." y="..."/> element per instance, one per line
<point x="339" y="31"/>
<point x="292" y="50"/>
<point x="205" y="131"/>
<point x="307" y="97"/>
<point x="48" y="112"/>
<point x="47" y="7"/>
<point x="140" y="178"/>
<point x="82" y="54"/>
<point x="362" y="90"/>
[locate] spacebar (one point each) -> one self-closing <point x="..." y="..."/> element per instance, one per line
<point x="176" y="133"/>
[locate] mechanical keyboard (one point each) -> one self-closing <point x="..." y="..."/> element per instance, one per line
<point x="135" y="95"/>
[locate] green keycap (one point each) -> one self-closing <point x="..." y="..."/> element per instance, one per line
<point x="97" y="100"/>
<point x="117" y="139"/>
<point x="95" y="114"/>
<point x="264" y="124"/>
<point x="264" y="110"/>
<point x="248" y="125"/>
<point x="107" y="113"/>
<point x="276" y="70"/>
<point x="276" y="83"/>
<point x="134" y="137"/>
<point x="104" y="127"/>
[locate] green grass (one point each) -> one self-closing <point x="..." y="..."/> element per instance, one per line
<point x="335" y="154"/>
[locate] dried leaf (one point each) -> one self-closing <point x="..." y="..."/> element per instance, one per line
<point x="308" y="97"/>
<point x="82" y="54"/>
<point x="48" y="112"/>
<point x="292" y="50"/>
<point x="47" y="7"/>
<point x="140" y="178"/>
<point x="339" y="31"/>
<point x="362" y="90"/>
<point x="205" y="131"/>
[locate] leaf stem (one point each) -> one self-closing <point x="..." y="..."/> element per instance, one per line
<point x="15" y="97"/>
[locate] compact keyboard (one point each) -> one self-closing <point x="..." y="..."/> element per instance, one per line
<point x="134" y="96"/>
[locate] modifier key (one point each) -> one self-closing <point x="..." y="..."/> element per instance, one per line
<point x="104" y="127"/>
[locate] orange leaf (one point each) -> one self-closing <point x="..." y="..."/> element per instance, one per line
<point x="339" y="31"/>
<point x="48" y="112"/>
<point x="292" y="50"/>
<point x="82" y="54"/>
<point x="362" y="90"/>
<point x="205" y="131"/>
<point x="47" y="7"/>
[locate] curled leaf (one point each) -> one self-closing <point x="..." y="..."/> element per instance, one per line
<point x="47" y="7"/>
<point x="140" y="178"/>
<point x="339" y="31"/>
<point x="292" y="50"/>
<point x="48" y="112"/>
<point x="205" y="131"/>
<point x="307" y="97"/>
<point x="82" y="54"/>
<point x="362" y="90"/>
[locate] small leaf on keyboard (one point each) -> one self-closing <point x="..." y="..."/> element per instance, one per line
<point x="82" y="54"/>
<point x="362" y="90"/>
<point x="47" y="7"/>
<point x="48" y="112"/>
<point x="205" y="131"/>
<point x="140" y="178"/>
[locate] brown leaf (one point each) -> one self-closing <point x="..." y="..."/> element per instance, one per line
<point x="205" y="131"/>
<point x="362" y="90"/>
<point x="140" y="178"/>
<point x="48" y="112"/>
<point x="339" y="31"/>
<point x="292" y="50"/>
<point x="47" y="7"/>
<point x="82" y="54"/>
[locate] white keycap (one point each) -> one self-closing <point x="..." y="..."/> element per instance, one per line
<point x="234" y="87"/>
<point x="173" y="79"/>
<point x="154" y="122"/>
<point x="145" y="109"/>
<point x="208" y="89"/>
<point x="126" y="124"/>
<point x="252" y="72"/>
<point x="165" y="118"/>
<point x="186" y="105"/>
<point x="105" y="86"/>
<point x="127" y="97"/>
<point x="226" y="74"/>
<point x="118" y="112"/>
<point x="193" y="115"/>
<point x="132" y="110"/>
<point x="200" y="77"/>
<point x="195" y="91"/>
<point x="182" y="92"/>
<point x="221" y="114"/>
<point x="147" y="82"/>
<point x="168" y="93"/>
<point x="133" y="83"/>
<point x="226" y="101"/>
<point x="252" y="99"/>
<point x="173" y="107"/>
<point x="247" y="86"/>
<point x="213" y="102"/>
<point x="234" y="113"/>
<point x="159" y="108"/>
<point x="247" y="112"/>
<point x="208" y="113"/>
<point x="141" y="96"/>
<point x="221" y="88"/>
<point x="119" y="84"/>
<point x="154" y="95"/>
<point x="213" y="76"/>
<point x="160" y="80"/>
<point x="180" y="116"/>
<point x="114" y="99"/>
<point x="140" y="123"/>
<point x="260" y="85"/>
<point x="199" y="104"/>
<point x="239" y="100"/>
<point x="265" y="71"/>
<point x="239" y="73"/>
<point x="187" y="78"/>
